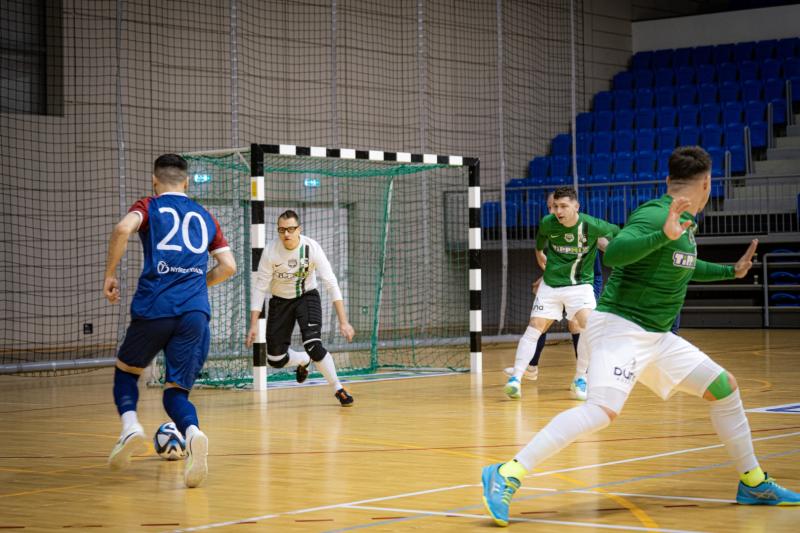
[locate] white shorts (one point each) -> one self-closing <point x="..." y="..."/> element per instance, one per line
<point x="622" y="353"/>
<point x="551" y="302"/>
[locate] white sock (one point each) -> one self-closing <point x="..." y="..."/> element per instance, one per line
<point x="525" y="350"/>
<point x="328" y="369"/>
<point x="129" y="419"/>
<point x="582" y="363"/>
<point x="191" y="431"/>
<point x="730" y="423"/>
<point x="298" y="358"/>
<point x="561" y="431"/>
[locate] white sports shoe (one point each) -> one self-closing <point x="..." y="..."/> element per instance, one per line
<point x="513" y="389"/>
<point x="196" y="459"/>
<point x="531" y="373"/>
<point x="578" y="388"/>
<point x="130" y="441"/>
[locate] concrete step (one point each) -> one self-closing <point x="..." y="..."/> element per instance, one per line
<point x="783" y="153"/>
<point x="793" y="131"/>
<point x="778" y="167"/>
<point x="762" y="205"/>
<point x="788" y="142"/>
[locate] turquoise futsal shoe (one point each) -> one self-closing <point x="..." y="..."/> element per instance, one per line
<point x="513" y="388"/>
<point x="497" y="493"/>
<point x="767" y="493"/>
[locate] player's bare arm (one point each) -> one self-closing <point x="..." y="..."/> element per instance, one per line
<point x="345" y="328"/>
<point x="224" y="269"/>
<point x="117" y="245"/>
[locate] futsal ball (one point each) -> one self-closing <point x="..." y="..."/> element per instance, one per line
<point x="169" y="442"/>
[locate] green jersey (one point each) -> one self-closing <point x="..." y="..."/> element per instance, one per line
<point x="651" y="272"/>
<point x="571" y="251"/>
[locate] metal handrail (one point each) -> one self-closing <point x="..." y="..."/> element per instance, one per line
<point x="765" y="281"/>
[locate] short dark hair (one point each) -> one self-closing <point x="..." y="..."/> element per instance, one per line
<point x="289" y="214"/>
<point x="170" y="169"/>
<point x="688" y="163"/>
<point x="565" y="192"/>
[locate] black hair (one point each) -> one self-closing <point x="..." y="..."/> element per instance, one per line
<point x="688" y="163"/>
<point x="565" y="192"/>
<point x="289" y="214"/>
<point x="170" y="169"/>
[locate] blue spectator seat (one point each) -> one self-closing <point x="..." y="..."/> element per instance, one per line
<point x="645" y="162"/>
<point x="623" y="100"/>
<point x="758" y="133"/>
<point x="701" y="55"/>
<point x="711" y="135"/>
<point x="743" y="51"/>
<point x="781" y="277"/>
<point x="561" y="144"/>
<point x="765" y="49"/>
<point x="751" y="90"/>
<point x="717" y="161"/>
<point x="723" y="53"/>
<point x="512" y="214"/>
<point x="666" y="117"/>
<point x="584" y="122"/>
<point x="645" y="140"/>
<point x="662" y="59"/>
<point x="596" y="207"/>
<point x="706" y="74"/>
<point x="791" y="67"/>
<point x="732" y="112"/>
<point x="665" y="97"/>
<point x="645" y="119"/>
<point x="709" y="114"/>
<point x="734" y="134"/>
<point x="531" y="212"/>
<point x="682" y="56"/>
<point x="490" y="215"/>
<point x="584" y="143"/>
<point x="539" y="168"/>
<point x="688" y="115"/>
<point x="727" y="72"/>
<point x="778" y="111"/>
<point x="774" y="88"/>
<point x="755" y="111"/>
<point x="748" y="70"/>
<point x="601" y="164"/>
<point x="783" y="299"/>
<point x="622" y="81"/>
<point x="642" y="79"/>
<point x="771" y="68"/>
<point x="662" y="163"/>
<point x="689" y="136"/>
<point x="582" y="162"/>
<point x="707" y="93"/>
<point x="603" y="142"/>
<point x="686" y="95"/>
<point x="667" y="138"/>
<point x="604" y="121"/>
<point x="665" y="77"/>
<point x="643" y="98"/>
<point x="623" y="119"/>
<point x="603" y="101"/>
<point x="787" y="47"/>
<point x="729" y="92"/>
<point x="624" y="140"/>
<point x="641" y="60"/>
<point x="559" y="166"/>
<point x="617" y="208"/>
<point x="623" y="163"/>
<point x="684" y="75"/>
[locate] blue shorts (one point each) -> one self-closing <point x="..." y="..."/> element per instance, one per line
<point x="185" y="340"/>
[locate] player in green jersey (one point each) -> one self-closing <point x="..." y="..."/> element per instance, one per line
<point x="629" y="340"/>
<point x="566" y="246"/>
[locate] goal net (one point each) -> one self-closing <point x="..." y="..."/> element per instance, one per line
<point x="396" y="234"/>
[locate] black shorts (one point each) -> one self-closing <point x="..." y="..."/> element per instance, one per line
<point x="282" y="314"/>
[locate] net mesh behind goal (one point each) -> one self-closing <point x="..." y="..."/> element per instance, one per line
<point x="396" y="236"/>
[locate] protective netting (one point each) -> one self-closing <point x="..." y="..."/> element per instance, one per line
<point x="91" y="92"/>
<point x="396" y="236"/>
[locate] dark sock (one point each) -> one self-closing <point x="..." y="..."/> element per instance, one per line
<point x="575" y="338"/>
<point x="126" y="391"/>
<point x="180" y="409"/>
<point x="539" y="347"/>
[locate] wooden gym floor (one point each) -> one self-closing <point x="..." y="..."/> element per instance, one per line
<point x="406" y="457"/>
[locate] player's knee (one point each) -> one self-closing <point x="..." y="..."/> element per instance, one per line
<point x="277" y="361"/>
<point x="611" y="414"/>
<point x="722" y="387"/>
<point x="315" y="350"/>
<point x="135" y="370"/>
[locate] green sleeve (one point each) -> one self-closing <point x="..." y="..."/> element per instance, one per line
<point x="541" y="235"/>
<point x="603" y="228"/>
<point x="638" y="238"/>
<point x="705" y="271"/>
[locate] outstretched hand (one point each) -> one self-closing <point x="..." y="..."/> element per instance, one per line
<point x="744" y="264"/>
<point x="673" y="228"/>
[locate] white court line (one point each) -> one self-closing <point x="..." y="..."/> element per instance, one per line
<point x="633" y="495"/>
<point x="593" y="525"/>
<point x="454" y="487"/>
<point x="655" y="456"/>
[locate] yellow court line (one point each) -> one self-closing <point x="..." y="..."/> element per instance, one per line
<point x="39" y="491"/>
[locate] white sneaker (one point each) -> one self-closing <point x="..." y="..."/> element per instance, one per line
<point x="196" y="459"/>
<point x="513" y="388"/>
<point x="130" y="441"/>
<point x="531" y="373"/>
<point x="578" y="388"/>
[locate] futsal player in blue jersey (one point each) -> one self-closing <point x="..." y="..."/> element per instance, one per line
<point x="170" y="309"/>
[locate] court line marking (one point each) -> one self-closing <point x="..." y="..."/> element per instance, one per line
<point x="593" y="525"/>
<point x="454" y="487"/>
<point x="633" y="495"/>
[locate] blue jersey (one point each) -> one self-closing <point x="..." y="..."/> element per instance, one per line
<point x="177" y="236"/>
